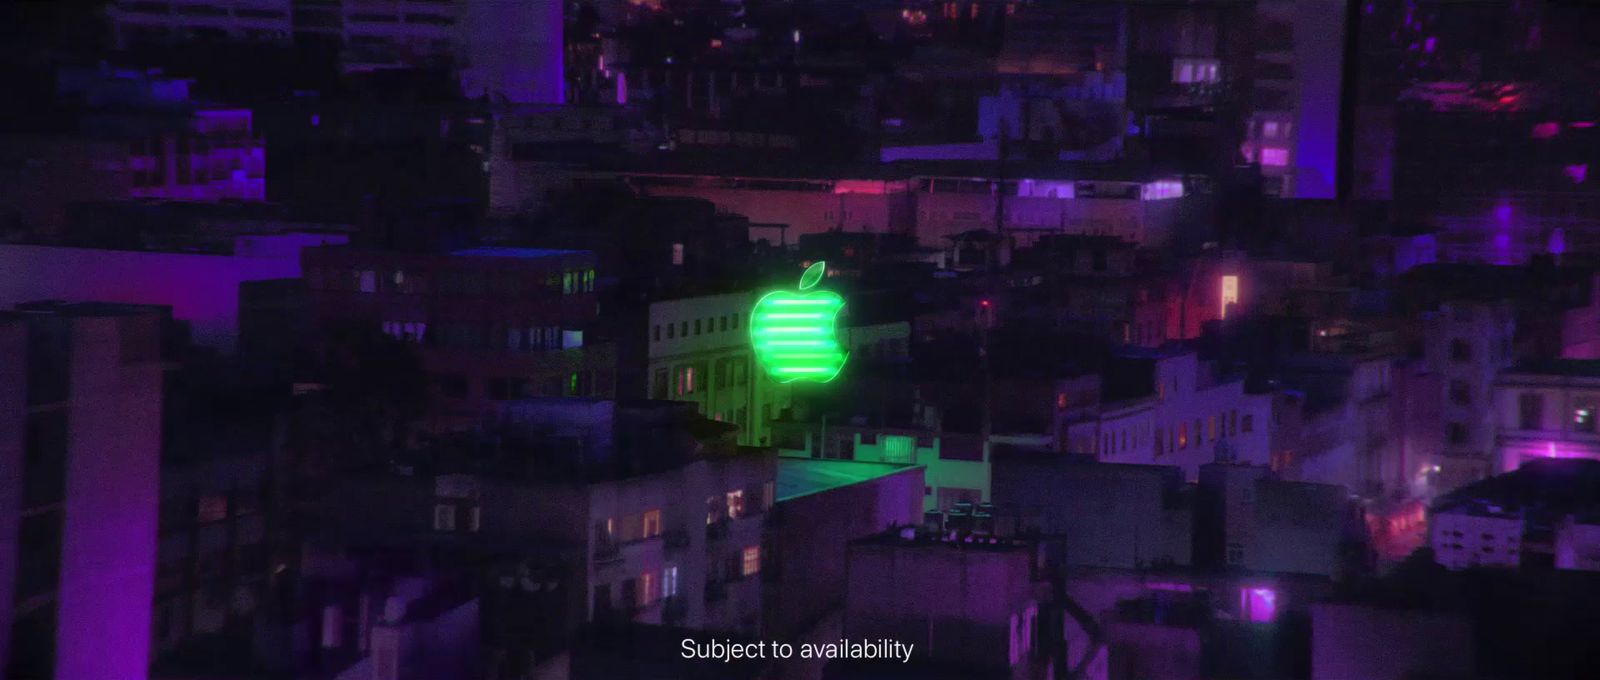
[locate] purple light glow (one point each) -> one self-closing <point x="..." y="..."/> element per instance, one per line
<point x="1258" y="605"/>
<point x="1170" y="587"/>
<point x="1577" y="173"/>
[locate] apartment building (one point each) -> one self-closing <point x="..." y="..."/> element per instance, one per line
<point x="700" y="351"/>
<point x="1546" y="409"/>
<point x="661" y="508"/>
<point x="1189" y="417"/>
<point x="80" y="436"/>
<point x="492" y="324"/>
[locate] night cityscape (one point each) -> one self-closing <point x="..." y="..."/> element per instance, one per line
<point x="799" y="339"/>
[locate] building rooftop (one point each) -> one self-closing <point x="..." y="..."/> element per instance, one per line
<point x="519" y="253"/>
<point x="804" y="476"/>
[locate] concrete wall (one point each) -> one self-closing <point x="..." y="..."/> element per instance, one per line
<point x="108" y="549"/>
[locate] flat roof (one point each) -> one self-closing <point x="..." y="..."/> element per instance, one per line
<point x="520" y="253"/>
<point x="804" y="476"/>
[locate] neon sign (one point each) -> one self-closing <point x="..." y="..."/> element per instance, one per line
<point x="793" y="332"/>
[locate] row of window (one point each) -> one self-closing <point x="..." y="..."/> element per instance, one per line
<point x="508" y="388"/>
<point x="493" y="337"/>
<point x="642" y="591"/>
<point x="694" y="378"/>
<point x="682" y="328"/>
<point x="1176" y="437"/>
<point x="452" y="282"/>
<point x="612" y="532"/>
<point x="650" y="587"/>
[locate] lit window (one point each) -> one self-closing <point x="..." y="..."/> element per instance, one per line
<point x="669" y="582"/>
<point x="714" y="509"/>
<point x="1230" y="293"/>
<point x="1583" y="419"/>
<point x="898" y="449"/>
<point x="1274" y="157"/>
<point x="652" y="523"/>
<point x="736" y="504"/>
<point x="1183" y="435"/>
<point x="1258" y="605"/>
<point x="1269" y="129"/>
<point x="649" y="589"/>
<point x="369" y="281"/>
<point x="752" y="560"/>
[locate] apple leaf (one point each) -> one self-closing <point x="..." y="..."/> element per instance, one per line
<point x="813" y="275"/>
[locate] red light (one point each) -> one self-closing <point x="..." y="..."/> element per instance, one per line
<point x="984" y="302"/>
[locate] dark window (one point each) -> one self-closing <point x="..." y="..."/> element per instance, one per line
<point x="1456" y="433"/>
<point x="1530" y="411"/>
<point x="1460" y="350"/>
<point x="1460" y="392"/>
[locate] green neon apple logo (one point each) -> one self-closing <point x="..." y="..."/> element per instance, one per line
<point x="793" y="332"/>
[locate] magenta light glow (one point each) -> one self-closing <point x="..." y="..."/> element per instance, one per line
<point x="1258" y="605"/>
<point x="1577" y="173"/>
<point x="1546" y="130"/>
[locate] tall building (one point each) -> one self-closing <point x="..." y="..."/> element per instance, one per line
<point x="80" y="436"/>
<point x="1467" y="344"/>
<point x="1295" y="128"/>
